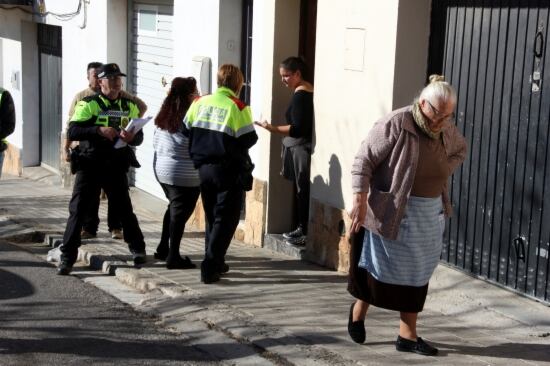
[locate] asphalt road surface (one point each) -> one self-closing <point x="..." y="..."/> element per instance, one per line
<point x="47" y="319"/>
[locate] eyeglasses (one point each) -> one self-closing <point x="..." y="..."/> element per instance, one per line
<point x="437" y="113"/>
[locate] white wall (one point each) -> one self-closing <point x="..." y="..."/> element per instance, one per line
<point x="11" y="61"/>
<point x="230" y="32"/>
<point x="261" y="97"/>
<point x="210" y="28"/>
<point x="371" y="57"/>
<point x="196" y="25"/>
<point x="101" y="36"/>
<point x="116" y="32"/>
<point x="354" y="73"/>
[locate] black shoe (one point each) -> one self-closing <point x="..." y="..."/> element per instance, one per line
<point x="64" y="269"/>
<point x="139" y="257"/>
<point x="300" y="240"/>
<point x="160" y="255"/>
<point x="224" y="268"/>
<point x="356" y="329"/>
<point x="420" y="347"/>
<point x="294" y="234"/>
<point x="210" y="277"/>
<point x="180" y="263"/>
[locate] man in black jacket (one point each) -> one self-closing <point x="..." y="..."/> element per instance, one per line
<point x="7" y="122"/>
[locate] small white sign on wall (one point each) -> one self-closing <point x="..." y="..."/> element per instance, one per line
<point x="354" y="49"/>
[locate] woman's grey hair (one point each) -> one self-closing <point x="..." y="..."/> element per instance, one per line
<point x="438" y="89"/>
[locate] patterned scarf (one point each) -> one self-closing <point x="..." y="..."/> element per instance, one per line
<point x="421" y="121"/>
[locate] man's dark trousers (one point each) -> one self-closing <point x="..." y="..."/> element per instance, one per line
<point x="88" y="183"/>
<point x="91" y="221"/>
<point x="222" y="197"/>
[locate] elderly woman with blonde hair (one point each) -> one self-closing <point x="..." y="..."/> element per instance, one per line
<point x="401" y="200"/>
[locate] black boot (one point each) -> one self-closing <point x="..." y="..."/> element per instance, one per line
<point x="209" y="273"/>
<point x="179" y="263"/>
<point x="64" y="268"/>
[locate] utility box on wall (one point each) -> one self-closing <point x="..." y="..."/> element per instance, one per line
<point x="200" y="70"/>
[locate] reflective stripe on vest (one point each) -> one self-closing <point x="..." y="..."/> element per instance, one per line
<point x="212" y="112"/>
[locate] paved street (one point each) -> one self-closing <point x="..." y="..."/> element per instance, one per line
<point x="272" y="309"/>
<point x="49" y="320"/>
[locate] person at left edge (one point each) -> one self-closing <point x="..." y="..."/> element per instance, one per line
<point x="7" y="122"/>
<point x="98" y="122"/>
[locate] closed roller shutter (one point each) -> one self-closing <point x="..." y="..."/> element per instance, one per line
<point x="151" y="75"/>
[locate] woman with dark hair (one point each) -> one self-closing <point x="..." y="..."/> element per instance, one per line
<point x="297" y="142"/>
<point x="174" y="171"/>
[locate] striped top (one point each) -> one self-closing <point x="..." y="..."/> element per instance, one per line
<point x="172" y="164"/>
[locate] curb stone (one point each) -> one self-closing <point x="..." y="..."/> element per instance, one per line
<point x="53" y="239"/>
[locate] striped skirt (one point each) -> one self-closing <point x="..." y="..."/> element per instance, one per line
<point x="397" y="272"/>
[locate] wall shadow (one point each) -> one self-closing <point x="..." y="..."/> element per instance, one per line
<point x="326" y="235"/>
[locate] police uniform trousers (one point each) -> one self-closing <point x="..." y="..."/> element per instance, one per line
<point x="91" y="221"/>
<point x="222" y="198"/>
<point x="87" y="186"/>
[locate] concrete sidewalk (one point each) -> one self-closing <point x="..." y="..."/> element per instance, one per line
<point x="285" y="310"/>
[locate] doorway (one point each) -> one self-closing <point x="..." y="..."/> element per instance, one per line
<point x="295" y="34"/>
<point x="308" y="33"/>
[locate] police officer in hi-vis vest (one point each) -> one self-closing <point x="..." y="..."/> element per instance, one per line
<point x="7" y="122"/>
<point x="98" y="123"/>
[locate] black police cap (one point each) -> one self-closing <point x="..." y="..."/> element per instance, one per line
<point x="108" y="70"/>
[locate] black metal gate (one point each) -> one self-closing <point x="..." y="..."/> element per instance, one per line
<point x="495" y="53"/>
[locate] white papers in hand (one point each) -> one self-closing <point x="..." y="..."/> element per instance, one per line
<point x="134" y="126"/>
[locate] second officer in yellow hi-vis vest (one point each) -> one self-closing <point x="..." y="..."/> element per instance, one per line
<point x="220" y="131"/>
<point x="98" y="122"/>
